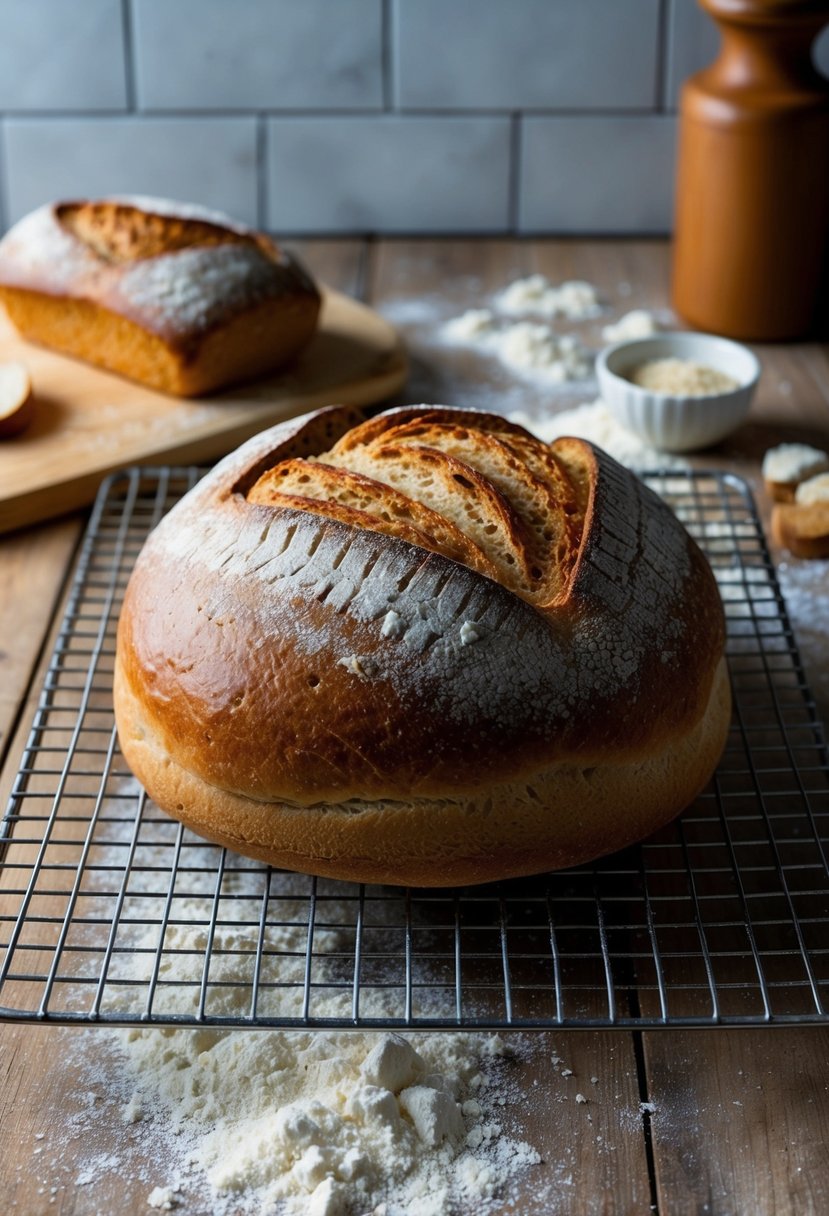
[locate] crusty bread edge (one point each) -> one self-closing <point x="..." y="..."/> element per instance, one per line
<point x="562" y="816"/>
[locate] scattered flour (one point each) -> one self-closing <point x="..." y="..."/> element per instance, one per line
<point x="526" y="347"/>
<point x="133" y="1111"/>
<point x="301" y="1122"/>
<point x="639" y="323"/>
<point x="574" y="299"/>
<point x="595" y="423"/>
<point x="331" y="1122"/>
<point x="470" y="633"/>
<point x="471" y="326"/>
<point x="804" y="587"/>
<point x="163" y="1197"/>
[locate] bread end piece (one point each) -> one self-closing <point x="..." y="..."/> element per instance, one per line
<point x="803" y="529"/>
<point x="17" y="404"/>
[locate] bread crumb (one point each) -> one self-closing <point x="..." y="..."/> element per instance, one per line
<point x="682" y="377"/>
<point x="580" y="1098"/>
<point x="361" y="665"/>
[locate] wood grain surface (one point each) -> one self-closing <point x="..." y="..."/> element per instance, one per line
<point x="734" y="1122"/>
<point x="88" y="422"/>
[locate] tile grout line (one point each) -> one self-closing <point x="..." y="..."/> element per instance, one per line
<point x="262" y="184"/>
<point x="514" y="179"/>
<point x="5" y="201"/>
<point x="663" y="50"/>
<point x="128" y="41"/>
<point x="75" y="113"/>
<point x="386" y="56"/>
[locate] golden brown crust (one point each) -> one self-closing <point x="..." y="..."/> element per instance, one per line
<point x="802" y="528"/>
<point x="282" y="657"/>
<point x="176" y="298"/>
<point x="566" y="815"/>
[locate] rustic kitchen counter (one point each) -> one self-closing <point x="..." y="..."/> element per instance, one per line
<point x="733" y="1121"/>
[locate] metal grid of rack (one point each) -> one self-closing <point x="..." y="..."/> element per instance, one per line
<point x="112" y="913"/>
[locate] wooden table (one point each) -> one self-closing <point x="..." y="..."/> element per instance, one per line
<point x="741" y="1117"/>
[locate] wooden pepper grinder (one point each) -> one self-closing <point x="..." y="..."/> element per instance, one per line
<point x="752" y="211"/>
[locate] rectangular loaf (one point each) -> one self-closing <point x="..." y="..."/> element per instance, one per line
<point x="176" y="297"/>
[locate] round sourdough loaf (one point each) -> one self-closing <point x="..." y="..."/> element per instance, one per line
<point x="425" y="649"/>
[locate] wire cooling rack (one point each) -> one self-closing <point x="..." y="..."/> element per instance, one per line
<point x="112" y="913"/>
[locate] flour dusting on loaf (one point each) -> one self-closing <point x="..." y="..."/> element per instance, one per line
<point x="324" y="691"/>
<point x="175" y="296"/>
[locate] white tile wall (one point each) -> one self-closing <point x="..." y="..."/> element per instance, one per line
<point x="526" y="54"/>
<point x="212" y="160"/>
<point x="259" y="54"/>
<point x="575" y="172"/>
<point x="59" y="54"/>
<point x="355" y="115"/>
<point x="391" y="173"/>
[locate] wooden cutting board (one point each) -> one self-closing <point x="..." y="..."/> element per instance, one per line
<point x="89" y="422"/>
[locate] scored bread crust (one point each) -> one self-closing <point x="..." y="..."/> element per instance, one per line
<point x="295" y="686"/>
<point x="177" y="297"/>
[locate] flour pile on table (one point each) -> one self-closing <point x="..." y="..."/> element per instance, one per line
<point x="530" y="347"/>
<point x="638" y="323"/>
<point x="322" y="1123"/>
<point x="595" y="423"/>
<point x="330" y="1123"/>
<point x="574" y="299"/>
<point x="523" y="346"/>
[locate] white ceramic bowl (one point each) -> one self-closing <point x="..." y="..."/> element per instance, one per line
<point x="672" y="423"/>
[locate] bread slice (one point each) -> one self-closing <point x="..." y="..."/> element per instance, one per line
<point x="530" y="530"/>
<point x="373" y="428"/>
<point x="368" y="504"/>
<point x="543" y="506"/>
<point x="462" y="496"/>
<point x="803" y="529"/>
<point x="16" y="400"/>
<point x="815" y="489"/>
<point x="787" y="465"/>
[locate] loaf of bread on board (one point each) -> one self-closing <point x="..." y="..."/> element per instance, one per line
<point x="174" y="296"/>
<point x="426" y="649"/>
